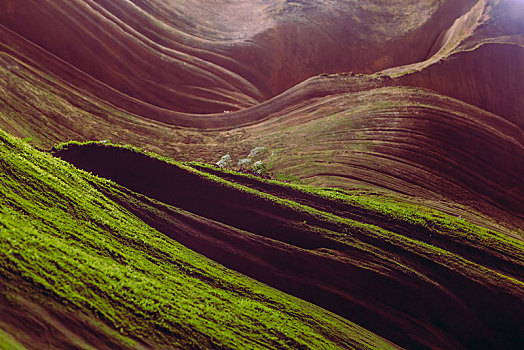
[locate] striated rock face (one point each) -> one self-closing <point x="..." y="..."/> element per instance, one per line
<point x="480" y="60"/>
<point x="87" y="69"/>
<point x="491" y="77"/>
<point x="409" y="140"/>
<point x="204" y="57"/>
<point x="419" y="99"/>
<point x="114" y="69"/>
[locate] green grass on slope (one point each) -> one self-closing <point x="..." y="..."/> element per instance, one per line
<point x="77" y="248"/>
<point x="398" y="209"/>
<point x="448" y="227"/>
<point x="7" y="342"/>
<point x="432" y="222"/>
<point x="457" y="231"/>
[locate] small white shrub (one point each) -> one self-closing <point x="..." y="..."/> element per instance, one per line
<point x="225" y="162"/>
<point x="259" y="168"/>
<point x="244" y="162"/>
<point x="256" y="151"/>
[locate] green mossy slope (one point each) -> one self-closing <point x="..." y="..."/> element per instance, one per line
<point x="415" y="275"/>
<point x="68" y="249"/>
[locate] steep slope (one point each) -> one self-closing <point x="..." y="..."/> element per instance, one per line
<point x="401" y="270"/>
<point x="478" y="60"/>
<point x="79" y="271"/>
<point x="495" y="86"/>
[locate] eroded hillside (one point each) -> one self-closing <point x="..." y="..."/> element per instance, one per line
<point x="411" y="114"/>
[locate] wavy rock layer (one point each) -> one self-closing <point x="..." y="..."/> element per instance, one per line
<point x="411" y="282"/>
<point x="422" y="101"/>
<point x="201" y="58"/>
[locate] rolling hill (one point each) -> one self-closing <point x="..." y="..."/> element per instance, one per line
<point x="374" y="196"/>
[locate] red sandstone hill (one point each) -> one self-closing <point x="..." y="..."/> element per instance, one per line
<point x="423" y="100"/>
<point x="100" y="69"/>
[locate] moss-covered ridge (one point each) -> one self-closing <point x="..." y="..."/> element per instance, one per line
<point x="414" y="275"/>
<point x="83" y="266"/>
